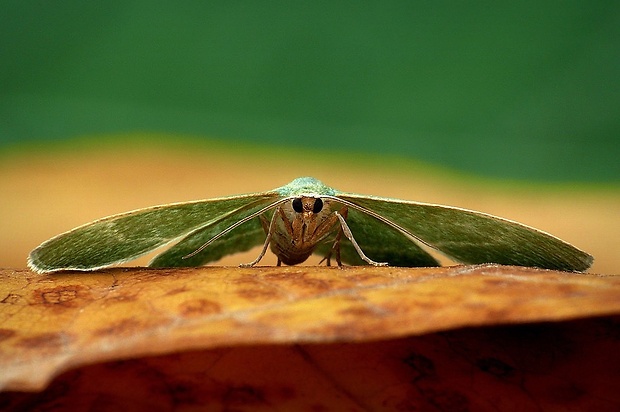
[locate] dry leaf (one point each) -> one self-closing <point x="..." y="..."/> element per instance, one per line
<point x="359" y="338"/>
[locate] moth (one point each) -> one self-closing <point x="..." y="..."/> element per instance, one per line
<point x="302" y="218"/>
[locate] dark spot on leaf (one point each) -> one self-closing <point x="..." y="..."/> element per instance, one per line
<point x="176" y="291"/>
<point x="243" y="395"/>
<point x="423" y="366"/>
<point x="258" y="294"/>
<point x="495" y="367"/>
<point x="11" y="299"/>
<point x="315" y="285"/>
<point x="363" y="313"/>
<point x="44" y="340"/>
<point x="362" y="277"/>
<point x="6" y="334"/>
<point x="184" y="393"/>
<point x="60" y="296"/>
<point x="124" y="327"/>
<point x="199" y="307"/>
<point x="497" y="282"/>
<point x="249" y="288"/>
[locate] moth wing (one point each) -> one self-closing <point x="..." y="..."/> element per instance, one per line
<point x="379" y="242"/>
<point x="474" y="237"/>
<point x="123" y="237"/>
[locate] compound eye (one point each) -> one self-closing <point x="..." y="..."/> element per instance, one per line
<point x="318" y="205"/>
<point x="297" y="205"/>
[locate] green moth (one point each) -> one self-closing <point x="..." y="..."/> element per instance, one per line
<point x="302" y="218"/>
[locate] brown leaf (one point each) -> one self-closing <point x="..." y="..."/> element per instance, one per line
<point x="183" y="328"/>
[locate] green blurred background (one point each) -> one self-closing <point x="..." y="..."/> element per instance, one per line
<point x="520" y="90"/>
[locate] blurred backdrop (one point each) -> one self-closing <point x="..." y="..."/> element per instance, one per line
<point x="511" y="108"/>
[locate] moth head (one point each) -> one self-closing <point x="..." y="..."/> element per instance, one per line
<point x="307" y="205"/>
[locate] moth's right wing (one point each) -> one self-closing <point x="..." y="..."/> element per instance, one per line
<point x="379" y="242"/>
<point x="472" y="237"/>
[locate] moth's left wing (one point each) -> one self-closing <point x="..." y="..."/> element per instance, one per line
<point x="379" y="242"/>
<point x="474" y="237"/>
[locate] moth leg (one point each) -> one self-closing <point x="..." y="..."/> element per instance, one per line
<point x="323" y="229"/>
<point x="269" y="231"/>
<point x="335" y="248"/>
<point x="344" y="212"/>
<point x="327" y="258"/>
<point x="349" y="235"/>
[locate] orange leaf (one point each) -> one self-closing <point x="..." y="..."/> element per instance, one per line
<point x="345" y="338"/>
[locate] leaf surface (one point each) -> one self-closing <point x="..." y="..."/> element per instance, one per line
<point x="49" y="323"/>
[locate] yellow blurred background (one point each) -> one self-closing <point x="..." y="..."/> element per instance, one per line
<point x="51" y="190"/>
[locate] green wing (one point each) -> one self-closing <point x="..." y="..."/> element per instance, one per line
<point x="472" y="237"/>
<point x="126" y="236"/>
